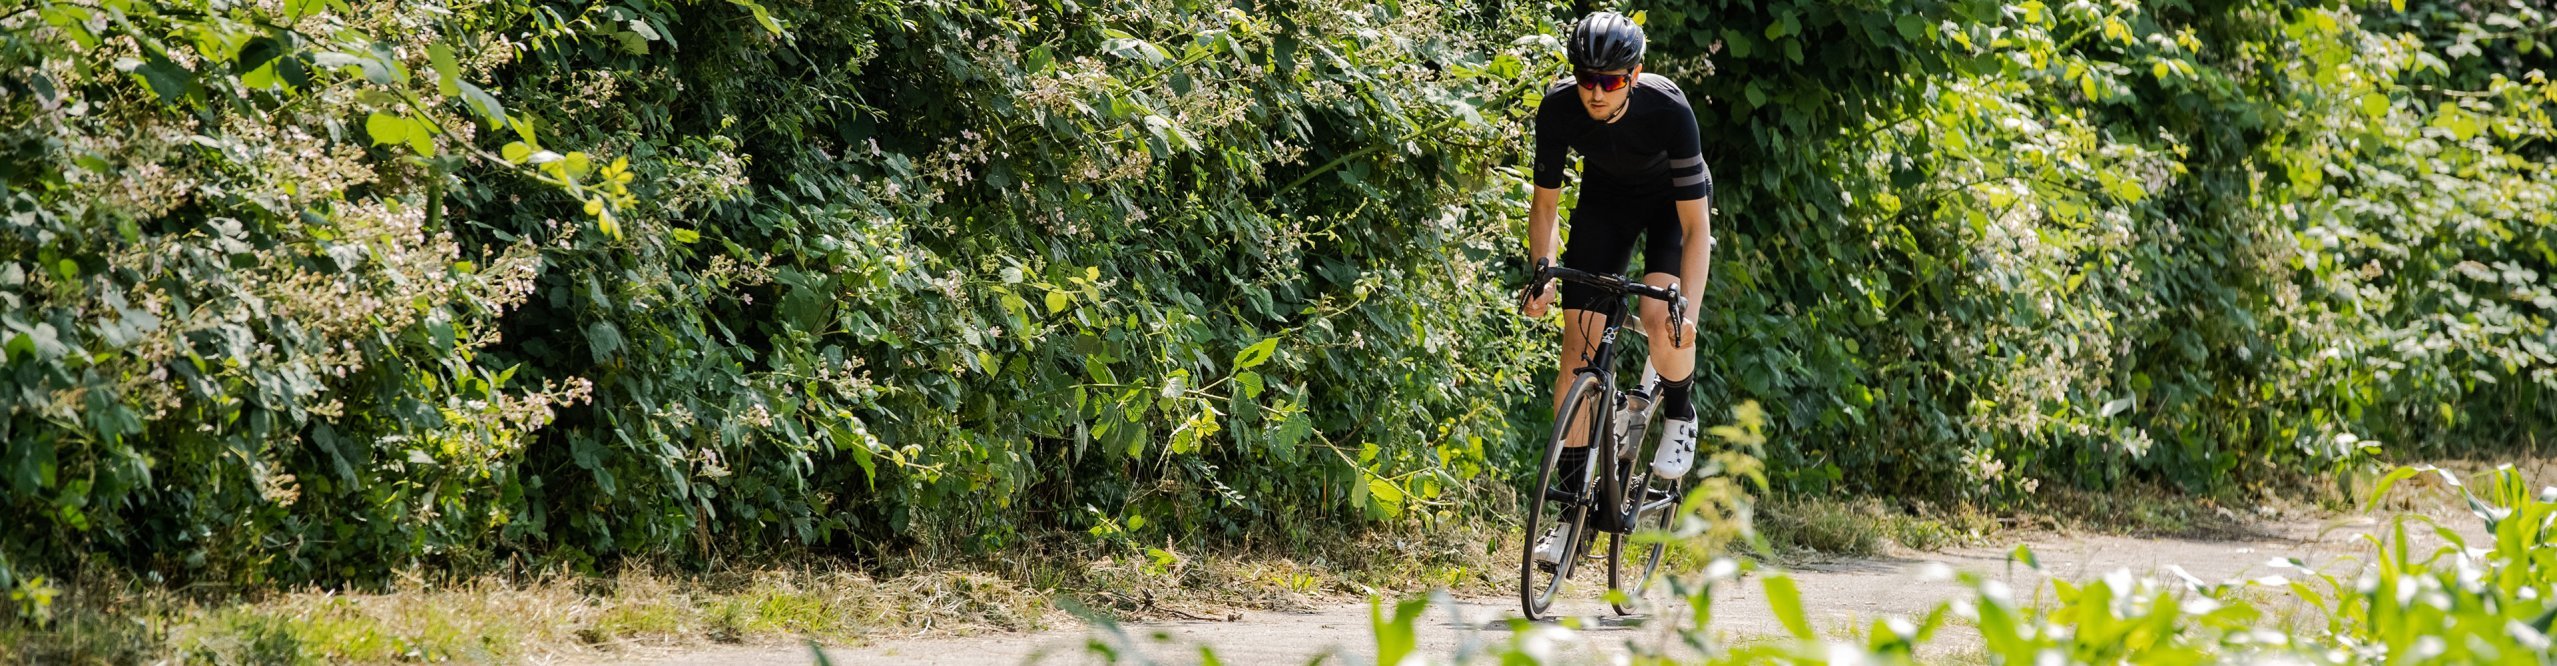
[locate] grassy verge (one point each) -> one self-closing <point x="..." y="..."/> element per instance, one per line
<point x="1866" y="527"/>
<point x="104" y="619"/>
<point x="101" y="618"/>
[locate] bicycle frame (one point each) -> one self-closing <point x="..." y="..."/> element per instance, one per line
<point x="1601" y="363"/>
<point x="1611" y="485"/>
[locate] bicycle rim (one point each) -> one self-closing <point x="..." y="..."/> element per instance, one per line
<point x="1537" y="588"/>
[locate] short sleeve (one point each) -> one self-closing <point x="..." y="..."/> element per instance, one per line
<point x="1552" y="165"/>
<point x="1689" y="179"/>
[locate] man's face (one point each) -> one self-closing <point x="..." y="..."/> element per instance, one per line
<point x="1604" y="104"/>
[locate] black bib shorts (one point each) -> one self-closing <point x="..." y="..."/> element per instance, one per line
<point x="1604" y="230"/>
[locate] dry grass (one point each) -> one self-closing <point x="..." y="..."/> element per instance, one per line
<point x="1865" y="527"/>
<point x="504" y="619"/>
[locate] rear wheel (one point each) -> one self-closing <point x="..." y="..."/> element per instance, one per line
<point x="1539" y="583"/>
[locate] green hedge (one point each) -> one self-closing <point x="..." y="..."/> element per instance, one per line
<point x="317" y="291"/>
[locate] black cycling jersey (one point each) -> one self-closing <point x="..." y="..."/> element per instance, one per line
<point x="1652" y="151"/>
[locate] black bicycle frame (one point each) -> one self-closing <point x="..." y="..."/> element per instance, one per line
<point x="1601" y="363"/>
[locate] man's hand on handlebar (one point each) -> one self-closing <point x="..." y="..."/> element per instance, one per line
<point x="1539" y="294"/>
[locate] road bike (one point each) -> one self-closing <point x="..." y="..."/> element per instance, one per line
<point x="1608" y="498"/>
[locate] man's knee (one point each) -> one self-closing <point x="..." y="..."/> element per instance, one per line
<point x="1655" y="317"/>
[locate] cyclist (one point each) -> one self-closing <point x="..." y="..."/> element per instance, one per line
<point x="1643" y="177"/>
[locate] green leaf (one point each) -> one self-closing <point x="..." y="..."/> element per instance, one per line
<point x="262" y="77"/>
<point x="762" y="16"/>
<point x="603" y="340"/>
<point x="447" y="73"/>
<point x="861" y="453"/>
<point x="1396" y="638"/>
<point x="165" y="78"/>
<point x="421" y="137"/>
<point x="1912" y="27"/>
<point x="1786" y="600"/>
<point x="1250" y="383"/>
<point x="486" y="105"/>
<point x="1256" y="354"/>
<point x="2024" y="553"/>
<point x="1037" y="60"/>
<point x="2115" y="407"/>
<point x="1384" y="491"/>
<point x="2380" y="489"/>
<point x="1057" y="301"/>
<point x="386" y="129"/>
<point x="1293" y="428"/>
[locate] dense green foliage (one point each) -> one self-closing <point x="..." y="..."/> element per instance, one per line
<point x="310" y="290"/>
<point x="2013" y="243"/>
<point x="803" y="275"/>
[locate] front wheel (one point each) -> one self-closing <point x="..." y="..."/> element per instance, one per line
<point x="1538" y="583"/>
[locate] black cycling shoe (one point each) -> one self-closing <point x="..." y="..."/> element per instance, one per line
<point x="1557" y="494"/>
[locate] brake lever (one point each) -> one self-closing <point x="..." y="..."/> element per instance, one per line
<point x="1535" y="284"/>
<point x="1677" y="315"/>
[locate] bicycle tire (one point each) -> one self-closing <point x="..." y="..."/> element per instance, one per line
<point x="1535" y="598"/>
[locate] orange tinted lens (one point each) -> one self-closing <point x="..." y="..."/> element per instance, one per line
<point x="1606" y="82"/>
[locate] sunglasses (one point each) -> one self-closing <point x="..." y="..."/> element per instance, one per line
<point x="1604" y="82"/>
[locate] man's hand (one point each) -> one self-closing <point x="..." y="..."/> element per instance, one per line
<point x="1534" y="306"/>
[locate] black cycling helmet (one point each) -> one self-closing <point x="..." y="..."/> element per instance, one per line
<point x="1604" y="41"/>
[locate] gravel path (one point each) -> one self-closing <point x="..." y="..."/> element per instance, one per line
<point x="1837" y="593"/>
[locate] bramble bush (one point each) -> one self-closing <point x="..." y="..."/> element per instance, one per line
<point x="318" y="290"/>
<point x="314" y="290"/>
<point x="2218" y="244"/>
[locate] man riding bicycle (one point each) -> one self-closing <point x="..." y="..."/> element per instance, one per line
<point x="1643" y="176"/>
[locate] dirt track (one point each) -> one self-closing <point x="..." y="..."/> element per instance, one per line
<point x="1836" y="593"/>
